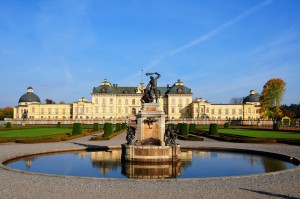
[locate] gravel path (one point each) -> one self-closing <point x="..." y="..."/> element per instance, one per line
<point x="13" y="184"/>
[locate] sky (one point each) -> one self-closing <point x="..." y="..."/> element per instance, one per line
<point x="220" y="49"/>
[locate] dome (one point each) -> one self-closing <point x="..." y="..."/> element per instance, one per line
<point x="253" y="97"/>
<point x="29" y="96"/>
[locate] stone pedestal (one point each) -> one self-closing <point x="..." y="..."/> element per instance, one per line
<point x="150" y="145"/>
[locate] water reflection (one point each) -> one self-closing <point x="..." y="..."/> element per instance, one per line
<point x="108" y="164"/>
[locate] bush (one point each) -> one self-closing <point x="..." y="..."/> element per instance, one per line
<point x="96" y="127"/>
<point x="58" y="125"/>
<point x="213" y="129"/>
<point x="108" y="129"/>
<point x="184" y="129"/>
<point x="276" y="126"/>
<point x="118" y="127"/>
<point x="123" y="126"/>
<point x="8" y="125"/>
<point x="77" y="129"/>
<point x="192" y="127"/>
<point x="226" y="125"/>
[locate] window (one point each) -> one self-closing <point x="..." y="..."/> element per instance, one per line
<point x="202" y="110"/>
<point x="249" y="110"/>
<point x="33" y="110"/>
<point x="56" y="111"/>
<point x="119" y="101"/>
<point x="126" y="110"/>
<point x="133" y="101"/>
<point x="49" y="110"/>
<point x="226" y="111"/>
<point x="111" y="110"/>
<point x="173" y="109"/>
<point x="180" y="101"/>
<point x="219" y="111"/>
<point x="119" y="109"/>
<point x="111" y="101"/>
<point x="240" y="111"/>
<point x="103" y="100"/>
<point x="96" y="109"/>
<point x="212" y="111"/>
<point x="187" y="101"/>
<point x="126" y="101"/>
<point x="233" y="111"/>
<point x="207" y="110"/>
<point x="64" y="111"/>
<point x="103" y="109"/>
<point x="86" y="109"/>
<point x="173" y="101"/>
<point x="96" y="101"/>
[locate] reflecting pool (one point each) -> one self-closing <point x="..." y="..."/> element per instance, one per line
<point x="108" y="164"/>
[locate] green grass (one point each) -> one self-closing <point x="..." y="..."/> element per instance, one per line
<point x="261" y="133"/>
<point x="38" y="132"/>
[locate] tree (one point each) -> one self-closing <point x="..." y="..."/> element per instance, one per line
<point x="6" y="112"/>
<point x="271" y="99"/>
<point x="237" y="100"/>
<point x="49" y="101"/>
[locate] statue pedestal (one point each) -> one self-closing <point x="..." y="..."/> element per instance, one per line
<point x="150" y="145"/>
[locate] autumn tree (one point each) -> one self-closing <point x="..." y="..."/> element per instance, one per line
<point x="271" y="98"/>
<point x="6" y="112"/>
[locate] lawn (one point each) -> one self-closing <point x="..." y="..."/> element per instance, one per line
<point x="261" y="133"/>
<point x="33" y="132"/>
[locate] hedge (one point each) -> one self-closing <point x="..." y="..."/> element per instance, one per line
<point x="213" y="129"/>
<point x="123" y="126"/>
<point x="96" y="127"/>
<point x="184" y="129"/>
<point x="118" y="127"/>
<point x="8" y="125"/>
<point x="77" y="129"/>
<point x="226" y="125"/>
<point x="108" y="128"/>
<point x="192" y="127"/>
<point x="58" y="125"/>
<point x="276" y="126"/>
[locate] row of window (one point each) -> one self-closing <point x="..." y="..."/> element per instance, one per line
<point x="111" y="101"/>
<point x="180" y="101"/>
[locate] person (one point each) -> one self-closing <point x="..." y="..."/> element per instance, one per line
<point x="152" y="85"/>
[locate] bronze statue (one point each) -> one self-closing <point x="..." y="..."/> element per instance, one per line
<point x="170" y="136"/>
<point x="130" y="135"/>
<point x="151" y="89"/>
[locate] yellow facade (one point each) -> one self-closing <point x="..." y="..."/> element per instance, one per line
<point x="114" y="102"/>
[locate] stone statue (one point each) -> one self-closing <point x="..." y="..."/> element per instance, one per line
<point x="151" y="89"/>
<point x="170" y="136"/>
<point x="130" y="135"/>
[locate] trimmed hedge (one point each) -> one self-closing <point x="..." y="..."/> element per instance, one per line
<point x="8" y="125"/>
<point x="276" y="126"/>
<point x="184" y="129"/>
<point x="77" y="129"/>
<point x="192" y="127"/>
<point x="213" y="129"/>
<point x="123" y="126"/>
<point x="118" y="127"/>
<point x="108" y="128"/>
<point x="96" y="127"/>
<point x="226" y="125"/>
<point x="58" y="125"/>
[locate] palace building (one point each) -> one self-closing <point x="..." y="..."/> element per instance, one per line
<point x="110" y="101"/>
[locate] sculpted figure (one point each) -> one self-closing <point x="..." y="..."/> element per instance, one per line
<point x="130" y="135"/>
<point x="170" y="137"/>
<point x="151" y="89"/>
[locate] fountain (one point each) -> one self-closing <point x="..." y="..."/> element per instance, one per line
<point x="154" y="145"/>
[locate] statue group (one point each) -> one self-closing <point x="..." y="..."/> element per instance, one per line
<point x="151" y="92"/>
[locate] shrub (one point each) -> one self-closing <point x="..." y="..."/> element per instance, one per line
<point x="276" y="126"/>
<point x="96" y="127"/>
<point x="8" y="125"/>
<point x="108" y="129"/>
<point x="226" y="125"/>
<point x="213" y="129"/>
<point x="77" y="129"/>
<point x="192" y="127"/>
<point x="58" y="125"/>
<point x="172" y="125"/>
<point x="118" y="127"/>
<point x="184" y="129"/>
<point x="123" y="126"/>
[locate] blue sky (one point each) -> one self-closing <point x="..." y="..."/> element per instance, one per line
<point x="220" y="49"/>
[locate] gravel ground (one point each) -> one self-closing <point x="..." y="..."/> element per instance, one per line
<point x="15" y="184"/>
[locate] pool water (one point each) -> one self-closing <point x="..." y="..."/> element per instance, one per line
<point x="108" y="164"/>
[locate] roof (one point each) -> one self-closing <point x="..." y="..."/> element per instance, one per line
<point x="254" y="97"/>
<point x="29" y="97"/>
